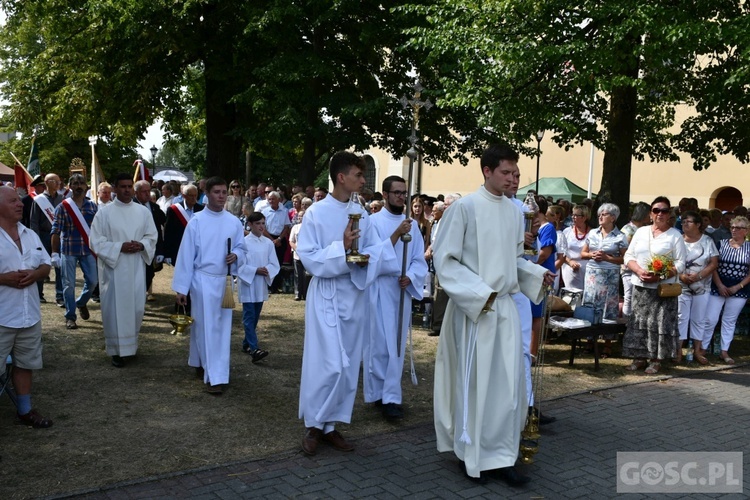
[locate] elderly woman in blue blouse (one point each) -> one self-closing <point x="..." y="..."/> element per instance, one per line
<point x="652" y="333"/>
<point x="729" y="289"/>
<point x="604" y="249"/>
<point x="701" y="261"/>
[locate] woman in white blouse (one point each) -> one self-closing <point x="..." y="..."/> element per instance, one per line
<point x="652" y="334"/>
<point x="701" y="260"/>
<point x="574" y="237"/>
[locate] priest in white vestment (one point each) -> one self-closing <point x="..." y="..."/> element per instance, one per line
<point x="201" y="270"/>
<point x="336" y="312"/>
<point x="123" y="237"/>
<point x="480" y="392"/>
<point x="383" y="363"/>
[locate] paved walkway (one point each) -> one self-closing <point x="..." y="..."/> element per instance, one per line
<point x="577" y="456"/>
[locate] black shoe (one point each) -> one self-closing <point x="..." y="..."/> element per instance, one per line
<point x="118" y="362"/>
<point x="392" y="411"/>
<point x="246" y="349"/>
<point x="482" y="479"/>
<point x="60" y="303"/>
<point x="511" y="476"/>
<point x="434" y="333"/>
<point x="258" y="355"/>
<point x="84" y="312"/>
<point x="42" y="300"/>
<point x="544" y="419"/>
<point x="95" y="299"/>
<point x="199" y="373"/>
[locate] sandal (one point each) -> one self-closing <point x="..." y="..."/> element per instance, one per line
<point x="700" y="359"/>
<point x="636" y="365"/>
<point x="35" y="420"/>
<point x="728" y="360"/>
<point x="258" y="355"/>
<point x="653" y="368"/>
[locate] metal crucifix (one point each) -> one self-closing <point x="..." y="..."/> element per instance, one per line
<point x="416" y="104"/>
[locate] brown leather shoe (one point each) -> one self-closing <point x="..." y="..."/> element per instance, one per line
<point x="311" y="440"/>
<point x="337" y="441"/>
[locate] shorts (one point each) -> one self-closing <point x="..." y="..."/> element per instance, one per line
<point x="24" y="343"/>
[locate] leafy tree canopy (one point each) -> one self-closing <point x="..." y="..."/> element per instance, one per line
<point x="610" y="72"/>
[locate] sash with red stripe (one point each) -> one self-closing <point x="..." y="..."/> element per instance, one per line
<point x="181" y="214"/>
<point x="78" y="221"/>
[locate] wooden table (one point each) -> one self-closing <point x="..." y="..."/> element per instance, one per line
<point x="594" y="331"/>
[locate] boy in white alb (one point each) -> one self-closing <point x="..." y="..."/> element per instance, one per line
<point x="256" y="275"/>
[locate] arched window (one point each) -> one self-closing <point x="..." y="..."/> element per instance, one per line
<point x="370" y="172"/>
<point x="727" y="198"/>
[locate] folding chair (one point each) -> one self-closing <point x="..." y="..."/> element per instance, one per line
<point x="6" y="383"/>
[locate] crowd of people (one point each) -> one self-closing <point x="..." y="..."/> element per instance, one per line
<point x="481" y="291"/>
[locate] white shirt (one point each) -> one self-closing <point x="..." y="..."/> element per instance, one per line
<point x="19" y="308"/>
<point x="276" y="220"/>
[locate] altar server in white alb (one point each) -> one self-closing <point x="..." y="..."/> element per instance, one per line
<point x="201" y="270"/>
<point x="256" y="275"/>
<point x="336" y="312"/>
<point x="480" y="391"/>
<point x="383" y="363"/>
<point x="123" y="237"/>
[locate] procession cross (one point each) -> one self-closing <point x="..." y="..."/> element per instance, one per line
<point x="416" y="104"/>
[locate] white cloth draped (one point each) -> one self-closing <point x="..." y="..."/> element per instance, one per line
<point x="336" y="313"/>
<point x="201" y="270"/>
<point x="122" y="276"/>
<point x="479" y="251"/>
<point x="383" y="365"/>
<point x="260" y="253"/>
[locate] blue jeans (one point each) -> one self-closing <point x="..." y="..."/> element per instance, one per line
<point x="68" y="270"/>
<point x="250" y="317"/>
<point x="46" y="243"/>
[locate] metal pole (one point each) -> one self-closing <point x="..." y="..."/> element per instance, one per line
<point x="538" y="157"/>
<point x="415" y="104"/>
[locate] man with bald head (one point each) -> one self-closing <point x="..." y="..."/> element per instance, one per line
<point x="42" y="215"/>
<point x="24" y="262"/>
<point x="143" y="196"/>
<point x="178" y="216"/>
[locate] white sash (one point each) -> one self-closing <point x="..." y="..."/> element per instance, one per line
<point x="46" y="206"/>
<point x="182" y="214"/>
<point x="78" y="220"/>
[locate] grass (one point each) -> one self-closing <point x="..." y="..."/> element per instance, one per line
<point x="153" y="417"/>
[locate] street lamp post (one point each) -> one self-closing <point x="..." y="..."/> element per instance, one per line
<point x="153" y="159"/>
<point x="539" y="137"/>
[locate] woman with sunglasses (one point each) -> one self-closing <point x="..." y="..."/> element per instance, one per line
<point x="574" y="237"/>
<point x="729" y="288"/>
<point x="652" y="334"/>
<point x="235" y="199"/>
<point x="701" y="260"/>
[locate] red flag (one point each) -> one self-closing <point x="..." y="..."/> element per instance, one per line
<point x="22" y="178"/>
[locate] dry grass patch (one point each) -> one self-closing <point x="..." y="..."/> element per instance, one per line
<point x="153" y="417"/>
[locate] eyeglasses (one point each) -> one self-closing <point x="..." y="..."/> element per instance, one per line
<point x="234" y="186"/>
<point x="604" y="214"/>
<point x="399" y="193"/>
<point x="737" y="228"/>
<point x="658" y="211"/>
<point x="577" y="215"/>
<point x="269" y="192"/>
<point x="688" y="221"/>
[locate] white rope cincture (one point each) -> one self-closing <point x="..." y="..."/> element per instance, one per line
<point x="411" y="355"/>
<point x="467" y="375"/>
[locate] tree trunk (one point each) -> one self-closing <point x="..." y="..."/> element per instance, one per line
<point x="618" y="149"/>
<point x="222" y="149"/>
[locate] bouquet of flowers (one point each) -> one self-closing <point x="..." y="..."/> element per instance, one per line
<point x="661" y="265"/>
